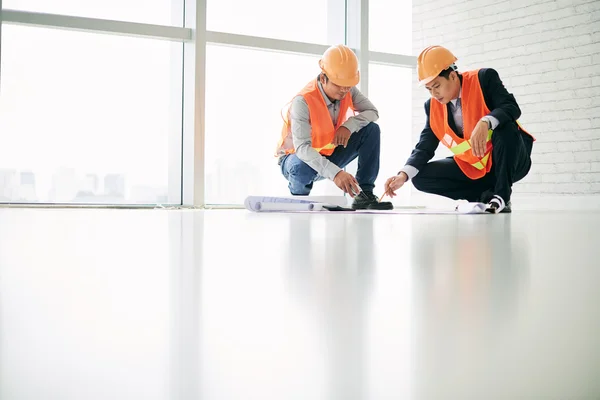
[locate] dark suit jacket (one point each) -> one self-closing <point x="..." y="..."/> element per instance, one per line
<point x="499" y="101"/>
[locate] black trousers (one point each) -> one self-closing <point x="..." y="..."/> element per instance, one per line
<point x="511" y="162"/>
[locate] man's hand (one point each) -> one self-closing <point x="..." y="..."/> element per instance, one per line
<point x="394" y="183"/>
<point x="347" y="183"/>
<point x="479" y="139"/>
<point x="342" y="135"/>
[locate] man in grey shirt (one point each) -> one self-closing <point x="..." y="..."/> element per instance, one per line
<point x="312" y="149"/>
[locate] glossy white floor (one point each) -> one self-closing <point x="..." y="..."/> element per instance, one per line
<point x="226" y="304"/>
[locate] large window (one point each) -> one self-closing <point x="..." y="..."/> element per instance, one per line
<point x="145" y="102"/>
<point x="390" y="91"/>
<point x="244" y="98"/>
<point x="89" y="118"/>
<point x="300" y="21"/>
<point x="163" y="12"/>
<point x="390" y="26"/>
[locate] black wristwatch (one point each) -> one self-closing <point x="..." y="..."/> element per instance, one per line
<point x="489" y="123"/>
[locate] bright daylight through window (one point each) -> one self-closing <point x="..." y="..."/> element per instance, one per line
<point x="97" y="115"/>
<point x="88" y="118"/>
<point x="162" y="12"/>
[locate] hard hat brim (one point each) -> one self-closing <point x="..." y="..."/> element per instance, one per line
<point x="346" y="82"/>
<point x="425" y="81"/>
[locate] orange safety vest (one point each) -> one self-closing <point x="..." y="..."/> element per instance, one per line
<point x="473" y="109"/>
<point x="322" y="128"/>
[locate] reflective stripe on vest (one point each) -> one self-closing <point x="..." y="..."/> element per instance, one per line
<point x="329" y="146"/>
<point x="473" y="108"/>
<point x="466" y="145"/>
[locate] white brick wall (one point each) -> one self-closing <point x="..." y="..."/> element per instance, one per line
<point x="547" y="53"/>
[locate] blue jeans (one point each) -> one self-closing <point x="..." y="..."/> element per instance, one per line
<point x="364" y="144"/>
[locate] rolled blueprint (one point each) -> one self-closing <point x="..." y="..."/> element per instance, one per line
<point x="264" y="206"/>
<point x="260" y="203"/>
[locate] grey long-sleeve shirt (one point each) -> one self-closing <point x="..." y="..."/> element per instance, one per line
<point x="301" y="129"/>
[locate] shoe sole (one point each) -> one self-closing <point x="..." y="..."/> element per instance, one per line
<point x="380" y="206"/>
<point x="504" y="211"/>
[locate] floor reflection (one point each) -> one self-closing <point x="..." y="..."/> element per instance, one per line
<point x="186" y="249"/>
<point x="100" y="304"/>
<point x="331" y="272"/>
<point x="470" y="277"/>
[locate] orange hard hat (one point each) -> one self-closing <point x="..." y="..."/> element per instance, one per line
<point x="432" y="61"/>
<point x="340" y="64"/>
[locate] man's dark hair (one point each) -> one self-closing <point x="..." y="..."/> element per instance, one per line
<point x="446" y="73"/>
<point x="325" y="75"/>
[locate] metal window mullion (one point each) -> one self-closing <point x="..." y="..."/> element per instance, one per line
<point x="1" y="23"/>
<point x="357" y="37"/>
<point x="175" y="131"/>
<point x="194" y="106"/>
<point x="263" y="43"/>
<point x="400" y="60"/>
<point x="97" y="25"/>
<point x="364" y="45"/>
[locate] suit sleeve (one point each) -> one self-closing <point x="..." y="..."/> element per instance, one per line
<point x="425" y="148"/>
<point x="501" y="103"/>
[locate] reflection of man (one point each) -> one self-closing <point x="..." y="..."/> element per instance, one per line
<point x="473" y="115"/>
<point x="329" y="124"/>
<point x="468" y="293"/>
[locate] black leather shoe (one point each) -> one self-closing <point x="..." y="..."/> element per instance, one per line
<point x="368" y="201"/>
<point x="497" y="206"/>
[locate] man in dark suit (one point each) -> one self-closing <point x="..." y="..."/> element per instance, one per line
<point x="473" y="115"/>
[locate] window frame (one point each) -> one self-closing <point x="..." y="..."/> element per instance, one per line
<point x="189" y="166"/>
